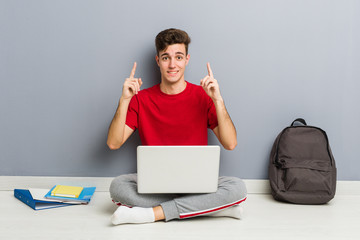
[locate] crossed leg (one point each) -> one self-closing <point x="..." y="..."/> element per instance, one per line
<point x="154" y="207"/>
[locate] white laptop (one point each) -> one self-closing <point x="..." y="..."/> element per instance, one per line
<point x="178" y="169"/>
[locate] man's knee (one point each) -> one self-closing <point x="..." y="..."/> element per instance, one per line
<point x="235" y="187"/>
<point x="122" y="187"/>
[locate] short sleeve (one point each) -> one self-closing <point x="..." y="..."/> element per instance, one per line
<point x="212" y="117"/>
<point x="133" y="113"/>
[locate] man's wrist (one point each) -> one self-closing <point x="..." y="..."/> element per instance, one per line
<point x="124" y="100"/>
<point x="218" y="101"/>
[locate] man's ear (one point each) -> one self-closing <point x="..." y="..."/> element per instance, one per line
<point x="157" y="60"/>
<point x="187" y="59"/>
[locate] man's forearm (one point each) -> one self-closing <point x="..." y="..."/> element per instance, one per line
<point x="117" y="127"/>
<point x="227" y="131"/>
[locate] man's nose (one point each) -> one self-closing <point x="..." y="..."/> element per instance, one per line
<point x="172" y="63"/>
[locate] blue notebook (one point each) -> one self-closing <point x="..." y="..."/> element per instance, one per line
<point x="84" y="197"/>
<point x="25" y="196"/>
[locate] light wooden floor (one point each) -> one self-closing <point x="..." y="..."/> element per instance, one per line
<point x="263" y="218"/>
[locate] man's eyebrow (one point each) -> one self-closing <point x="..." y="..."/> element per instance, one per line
<point x="177" y="53"/>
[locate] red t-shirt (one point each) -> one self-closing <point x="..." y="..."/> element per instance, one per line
<point x="180" y="119"/>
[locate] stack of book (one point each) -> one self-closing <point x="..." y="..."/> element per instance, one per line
<point x="58" y="196"/>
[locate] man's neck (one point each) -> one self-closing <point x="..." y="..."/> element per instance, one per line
<point x="173" y="88"/>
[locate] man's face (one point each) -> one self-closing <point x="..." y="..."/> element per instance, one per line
<point x="172" y="62"/>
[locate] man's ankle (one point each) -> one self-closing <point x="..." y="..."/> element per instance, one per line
<point x="159" y="213"/>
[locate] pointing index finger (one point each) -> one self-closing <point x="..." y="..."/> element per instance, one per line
<point x="132" y="74"/>
<point x="209" y="70"/>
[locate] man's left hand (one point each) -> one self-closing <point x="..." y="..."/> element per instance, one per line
<point x="210" y="85"/>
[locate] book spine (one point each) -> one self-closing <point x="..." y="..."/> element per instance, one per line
<point x="24" y="199"/>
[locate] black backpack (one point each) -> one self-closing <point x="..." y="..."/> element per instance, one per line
<point x="302" y="168"/>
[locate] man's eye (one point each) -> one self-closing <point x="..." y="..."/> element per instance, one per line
<point x="165" y="58"/>
<point x="179" y="57"/>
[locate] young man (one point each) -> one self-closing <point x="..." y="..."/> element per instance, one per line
<point x="174" y="112"/>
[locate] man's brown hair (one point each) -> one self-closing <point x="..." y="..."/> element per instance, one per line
<point x="171" y="36"/>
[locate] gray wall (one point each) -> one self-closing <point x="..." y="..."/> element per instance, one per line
<point x="62" y="65"/>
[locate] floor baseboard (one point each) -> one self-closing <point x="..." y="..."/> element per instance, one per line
<point x="254" y="186"/>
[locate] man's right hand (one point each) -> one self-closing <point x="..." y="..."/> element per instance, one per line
<point x="119" y="132"/>
<point x="131" y="85"/>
